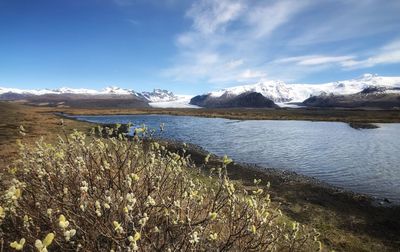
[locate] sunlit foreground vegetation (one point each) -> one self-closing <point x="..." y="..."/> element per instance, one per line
<point x="118" y="193"/>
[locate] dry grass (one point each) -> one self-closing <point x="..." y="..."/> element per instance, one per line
<point x="339" y="115"/>
<point x="37" y="122"/>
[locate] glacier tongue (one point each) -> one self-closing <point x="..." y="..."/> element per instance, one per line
<point x="181" y="101"/>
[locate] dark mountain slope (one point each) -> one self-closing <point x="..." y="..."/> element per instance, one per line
<point x="368" y="98"/>
<point x="245" y="100"/>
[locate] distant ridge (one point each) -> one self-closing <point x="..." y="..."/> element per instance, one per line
<point x="265" y="93"/>
<point x="108" y="97"/>
<point x="155" y="95"/>
<point x="281" y="92"/>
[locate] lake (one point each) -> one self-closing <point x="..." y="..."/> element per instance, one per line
<point x="364" y="161"/>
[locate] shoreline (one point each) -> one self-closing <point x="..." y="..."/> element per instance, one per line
<point x="356" y="116"/>
<point x="276" y="173"/>
<point x="311" y="201"/>
<point x="354" y="125"/>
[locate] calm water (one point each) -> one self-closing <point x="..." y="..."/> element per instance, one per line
<point x="365" y="161"/>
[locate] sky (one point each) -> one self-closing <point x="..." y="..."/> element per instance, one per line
<point x="192" y="47"/>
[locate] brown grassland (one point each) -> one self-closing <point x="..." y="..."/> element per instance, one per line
<point x="308" y="114"/>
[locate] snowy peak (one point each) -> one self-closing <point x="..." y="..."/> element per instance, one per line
<point x="275" y="90"/>
<point x="65" y="90"/>
<point x="117" y="91"/>
<point x="159" y="95"/>
<point x="25" y="92"/>
<point x="279" y="91"/>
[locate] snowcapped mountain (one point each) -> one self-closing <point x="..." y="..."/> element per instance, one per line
<point x="156" y="98"/>
<point x="279" y="91"/>
<point x="64" y="90"/>
<point x="276" y="91"/>
<point x="159" y="95"/>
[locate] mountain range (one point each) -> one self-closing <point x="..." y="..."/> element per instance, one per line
<point x="108" y="97"/>
<point x="366" y="91"/>
<point x="282" y="93"/>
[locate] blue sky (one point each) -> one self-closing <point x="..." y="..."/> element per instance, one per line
<point x="191" y="47"/>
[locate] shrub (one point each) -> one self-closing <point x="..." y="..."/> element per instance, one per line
<point x="88" y="193"/>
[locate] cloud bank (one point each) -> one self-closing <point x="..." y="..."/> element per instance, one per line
<point x="232" y="41"/>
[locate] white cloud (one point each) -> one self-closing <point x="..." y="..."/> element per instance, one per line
<point x="234" y="64"/>
<point x="348" y="19"/>
<point x="251" y="74"/>
<point x="133" y="22"/>
<point x="213" y="68"/>
<point x="311" y="60"/>
<point x="388" y="54"/>
<point x="210" y="15"/>
<point x="233" y="30"/>
<point x="266" y="17"/>
<point x="232" y="41"/>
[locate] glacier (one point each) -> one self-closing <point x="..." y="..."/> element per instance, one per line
<point x="281" y="92"/>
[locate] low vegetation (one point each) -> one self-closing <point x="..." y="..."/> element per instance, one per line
<point x="113" y="193"/>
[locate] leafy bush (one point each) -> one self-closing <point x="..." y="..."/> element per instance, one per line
<point x="126" y="194"/>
